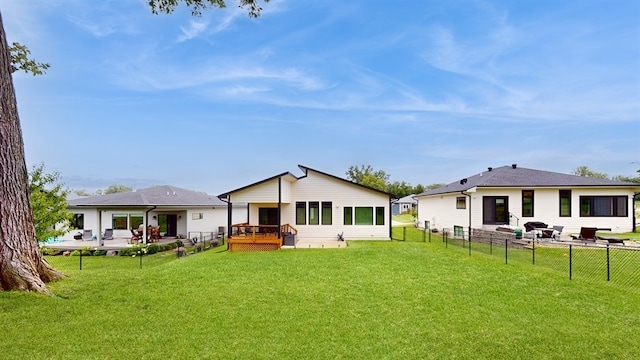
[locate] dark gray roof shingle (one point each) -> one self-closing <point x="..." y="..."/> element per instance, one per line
<point x="510" y="176"/>
<point x="164" y="195"/>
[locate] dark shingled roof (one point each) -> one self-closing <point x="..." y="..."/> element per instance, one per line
<point x="513" y="176"/>
<point x="164" y="195"/>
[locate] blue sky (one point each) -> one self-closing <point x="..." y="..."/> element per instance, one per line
<point x="428" y="91"/>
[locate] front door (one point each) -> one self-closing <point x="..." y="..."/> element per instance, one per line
<point x="168" y="224"/>
<point x="495" y="210"/>
<point x="268" y="216"/>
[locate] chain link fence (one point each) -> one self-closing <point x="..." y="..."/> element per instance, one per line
<point x="617" y="264"/>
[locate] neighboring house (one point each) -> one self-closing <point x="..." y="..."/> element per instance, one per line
<point x="178" y="212"/>
<point x="316" y="207"/>
<point x="511" y="195"/>
<point x="403" y="205"/>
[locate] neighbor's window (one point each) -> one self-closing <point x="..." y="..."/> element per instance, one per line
<point x="326" y="213"/>
<point x="614" y="206"/>
<point x="314" y="213"/>
<point x="135" y="220"/>
<point x="380" y="215"/>
<point x="78" y="221"/>
<point x="527" y="203"/>
<point x="119" y="221"/>
<point x="461" y="202"/>
<point x="565" y="203"/>
<point x="458" y="231"/>
<point x="196" y="216"/>
<point x="348" y="215"/>
<point x="364" y="216"/>
<point x="301" y="213"/>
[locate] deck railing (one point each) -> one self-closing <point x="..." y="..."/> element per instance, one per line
<point x="247" y="237"/>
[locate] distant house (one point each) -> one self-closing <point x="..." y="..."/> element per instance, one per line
<point x="178" y="212"/>
<point x="403" y="205"/>
<point x="315" y="207"/>
<point x="511" y="195"/>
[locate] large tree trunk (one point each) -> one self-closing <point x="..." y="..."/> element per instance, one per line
<point x="22" y="266"/>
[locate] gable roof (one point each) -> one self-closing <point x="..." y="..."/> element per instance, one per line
<point x="164" y="195"/>
<point x="409" y="199"/>
<point x="513" y="176"/>
<point x="304" y="169"/>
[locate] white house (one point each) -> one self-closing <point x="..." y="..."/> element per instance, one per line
<point x="511" y="195"/>
<point x="315" y="206"/>
<point x="176" y="211"/>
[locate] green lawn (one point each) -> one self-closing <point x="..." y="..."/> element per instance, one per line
<point x="373" y="300"/>
<point x="405" y="218"/>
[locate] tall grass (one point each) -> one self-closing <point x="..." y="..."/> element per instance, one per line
<point x="391" y="300"/>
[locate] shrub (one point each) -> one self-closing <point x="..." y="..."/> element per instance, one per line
<point x="127" y="252"/>
<point x="100" y="253"/>
<point x="153" y="248"/>
<point x="50" y="251"/>
<point x="179" y="243"/>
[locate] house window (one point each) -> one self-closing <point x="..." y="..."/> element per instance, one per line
<point x="78" y="221"/>
<point x="364" y="216"/>
<point x="196" y="216"/>
<point x="461" y="202"/>
<point x="119" y="221"/>
<point x="495" y="210"/>
<point x="380" y="215"/>
<point x="301" y="213"/>
<point x="612" y="206"/>
<point x="348" y="215"/>
<point x="267" y="216"/>
<point x="314" y="213"/>
<point x="527" y="203"/>
<point x="458" y="231"/>
<point x="135" y="220"/>
<point x="565" y="203"/>
<point x="326" y="213"/>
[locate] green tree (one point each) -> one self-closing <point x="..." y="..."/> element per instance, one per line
<point x="48" y="201"/>
<point x="366" y="175"/>
<point x="112" y="189"/>
<point x="22" y="266"/>
<point x="585" y="171"/>
<point x="629" y="178"/>
<point x="20" y="61"/>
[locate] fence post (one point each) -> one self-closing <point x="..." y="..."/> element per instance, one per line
<point x="608" y="264"/>
<point x="469" y="238"/>
<point x="140" y="251"/>
<point x="404" y="233"/>
<point x="80" y="259"/>
<point x="424" y="235"/>
<point x="506" y="250"/>
<point x="570" y="261"/>
<point x="444" y="238"/>
<point x="533" y="243"/>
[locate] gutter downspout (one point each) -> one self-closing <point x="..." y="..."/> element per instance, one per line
<point x="634" y="228"/>
<point x="229" y="212"/>
<point x="469" y="195"/>
<point x="280" y="208"/>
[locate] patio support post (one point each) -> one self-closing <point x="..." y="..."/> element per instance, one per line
<point x="280" y="208"/>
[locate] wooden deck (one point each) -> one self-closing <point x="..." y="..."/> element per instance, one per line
<point x="247" y="237"/>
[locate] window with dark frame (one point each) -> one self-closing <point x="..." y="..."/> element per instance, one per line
<point x="461" y="202"/>
<point x="364" y="215"/>
<point x="301" y="213"/>
<point x="527" y="203"/>
<point x="119" y="221"/>
<point x="348" y="215"/>
<point x="78" y="221"/>
<point x="380" y="215"/>
<point x="603" y="206"/>
<point x="565" y="203"/>
<point x="314" y="213"/>
<point x="327" y="213"/>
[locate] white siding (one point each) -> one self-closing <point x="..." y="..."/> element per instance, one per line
<point x="321" y="188"/>
<point x="441" y="210"/>
<point x="266" y="192"/>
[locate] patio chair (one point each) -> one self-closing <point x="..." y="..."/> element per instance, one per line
<point x="586" y="234"/>
<point x="557" y="230"/>
<point x="108" y="234"/>
<point x="87" y="234"/>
